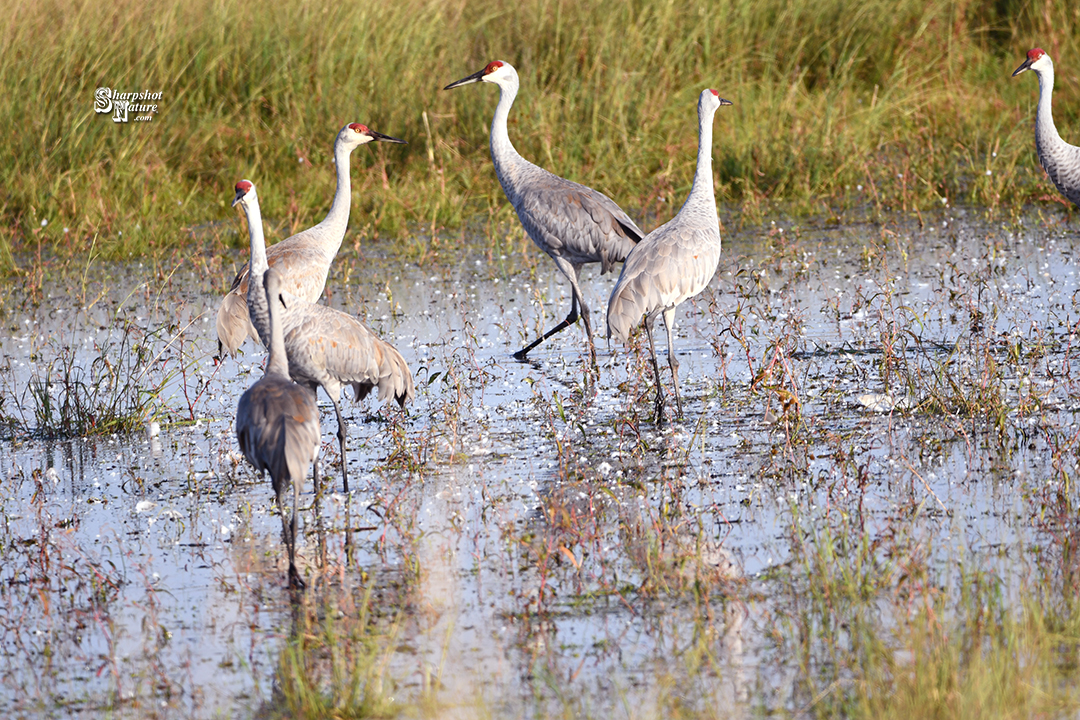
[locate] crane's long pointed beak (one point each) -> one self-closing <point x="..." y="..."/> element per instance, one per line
<point x="239" y="196"/>
<point x="1022" y="68"/>
<point x="475" y="77"/>
<point x="725" y="102"/>
<point x="384" y="138"/>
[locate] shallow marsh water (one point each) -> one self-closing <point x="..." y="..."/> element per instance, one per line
<point x="885" y="401"/>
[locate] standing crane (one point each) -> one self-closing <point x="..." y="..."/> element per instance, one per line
<point x="277" y="426"/>
<point x="325" y="347"/>
<point x="675" y="261"/>
<point x="329" y="348"/>
<point x="303" y="259"/>
<point x="572" y="223"/>
<point x="1060" y="159"/>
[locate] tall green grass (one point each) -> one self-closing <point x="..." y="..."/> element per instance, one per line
<point x="908" y="100"/>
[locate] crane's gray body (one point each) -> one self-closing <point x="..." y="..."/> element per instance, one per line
<point x="277" y="426"/>
<point x="568" y="221"/>
<point x="574" y="224"/>
<point x="1060" y="159"/>
<point x="328" y="348"/>
<point x="674" y="262"/>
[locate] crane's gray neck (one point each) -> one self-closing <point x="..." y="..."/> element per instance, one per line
<point x="701" y="194"/>
<point x="1044" y="120"/>
<point x="501" y="147"/>
<point x="278" y="362"/>
<point x="337" y="219"/>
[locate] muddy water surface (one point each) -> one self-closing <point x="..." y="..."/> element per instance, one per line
<point x="530" y="536"/>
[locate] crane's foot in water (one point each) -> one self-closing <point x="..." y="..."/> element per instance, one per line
<point x="296" y="584"/>
<point x="659" y="409"/>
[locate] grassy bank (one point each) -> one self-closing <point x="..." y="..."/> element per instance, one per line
<point x="910" y="102"/>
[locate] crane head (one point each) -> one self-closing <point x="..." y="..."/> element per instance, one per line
<point x="355" y="134"/>
<point x="494" y="72"/>
<point x="716" y="94"/>
<point x="710" y="100"/>
<point x="242" y="189"/>
<point x="1037" y="60"/>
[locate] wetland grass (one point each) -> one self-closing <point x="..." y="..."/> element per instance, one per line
<point x="896" y="106"/>
<point x="335" y="663"/>
<point x="883" y="633"/>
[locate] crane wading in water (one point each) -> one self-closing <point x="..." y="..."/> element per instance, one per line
<point x="572" y="223"/>
<point x="277" y="426"/>
<point x="303" y="259"/>
<point x="325" y="347"/>
<point x="1060" y="159"/>
<point x="675" y="261"/>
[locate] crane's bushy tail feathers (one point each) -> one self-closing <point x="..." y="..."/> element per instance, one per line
<point x="625" y="310"/>
<point x="395" y="379"/>
<point x="233" y="324"/>
<point x="289" y="462"/>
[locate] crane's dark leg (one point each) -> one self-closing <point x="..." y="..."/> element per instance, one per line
<point x="669" y="319"/>
<point x="656" y="370"/>
<point x="588" y="333"/>
<point x="288" y="528"/>
<point x="578" y="301"/>
<point x="348" y="532"/>
<point x="341" y="443"/>
<point x="320" y="524"/>
<point x="570" y="320"/>
<point x="570" y="270"/>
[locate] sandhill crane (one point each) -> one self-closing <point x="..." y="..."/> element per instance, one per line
<point x="1060" y="159"/>
<point x="303" y="259"/>
<point x="572" y="223"/>
<point x="328" y="348"/>
<point x="675" y="261"/>
<point x="277" y="425"/>
<point x="325" y="347"/>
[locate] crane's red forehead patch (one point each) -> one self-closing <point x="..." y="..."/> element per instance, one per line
<point x="493" y="66"/>
<point x="357" y="127"/>
<point x="243" y="186"/>
<point x="714" y="92"/>
<point x="1036" y="53"/>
